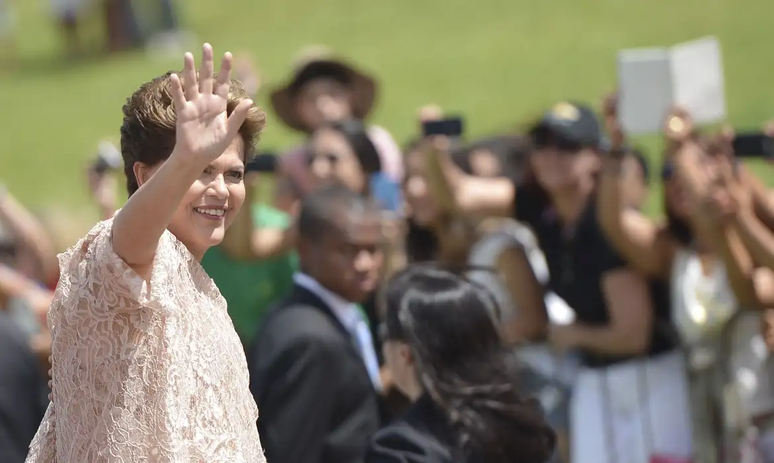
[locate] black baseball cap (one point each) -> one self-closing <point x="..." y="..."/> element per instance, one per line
<point x="571" y="125"/>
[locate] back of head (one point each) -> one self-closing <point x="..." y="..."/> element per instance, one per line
<point x="322" y="209"/>
<point x="448" y="323"/>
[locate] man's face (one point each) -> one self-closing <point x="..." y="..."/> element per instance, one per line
<point x="348" y="258"/>
<point x="323" y="100"/>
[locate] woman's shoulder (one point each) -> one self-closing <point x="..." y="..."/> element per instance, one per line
<point x="93" y="263"/>
<point x="419" y="437"/>
<point x="400" y="442"/>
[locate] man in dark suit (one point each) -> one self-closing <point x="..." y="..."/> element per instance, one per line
<point x="314" y="372"/>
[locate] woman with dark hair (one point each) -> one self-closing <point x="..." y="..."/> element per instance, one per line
<point x="630" y="363"/>
<point x="342" y="151"/>
<point x="444" y="351"/>
<point x="438" y="232"/>
<point x="711" y="273"/>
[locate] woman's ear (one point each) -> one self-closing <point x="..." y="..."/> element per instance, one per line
<point x="406" y="355"/>
<point x="141" y="173"/>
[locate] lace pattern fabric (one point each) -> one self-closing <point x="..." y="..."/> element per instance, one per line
<point x="144" y="373"/>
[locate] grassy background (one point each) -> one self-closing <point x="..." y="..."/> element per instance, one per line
<point x="496" y="61"/>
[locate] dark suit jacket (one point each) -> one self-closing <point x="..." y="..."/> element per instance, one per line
<point x="317" y="403"/>
<point x="23" y="392"/>
<point x="422" y="436"/>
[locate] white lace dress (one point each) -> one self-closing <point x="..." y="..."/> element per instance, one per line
<point x="144" y="373"/>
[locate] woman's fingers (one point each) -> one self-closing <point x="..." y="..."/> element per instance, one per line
<point x="190" y="85"/>
<point x="178" y="95"/>
<point x="237" y="118"/>
<point x="207" y="70"/>
<point x="223" y="84"/>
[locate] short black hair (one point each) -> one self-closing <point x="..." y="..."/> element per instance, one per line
<point x="322" y="208"/>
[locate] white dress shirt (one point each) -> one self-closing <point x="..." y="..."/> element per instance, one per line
<point x="353" y="321"/>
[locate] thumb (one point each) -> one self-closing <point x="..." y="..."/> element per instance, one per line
<point x="237" y="118"/>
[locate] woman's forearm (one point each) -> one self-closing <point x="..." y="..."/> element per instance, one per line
<point x="272" y="242"/>
<point x="756" y="237"/>
<point x="611" y="341"/>
<point x="138" y="226"/>
<point x="27" y="229"/>
<point x="739" y="266"/>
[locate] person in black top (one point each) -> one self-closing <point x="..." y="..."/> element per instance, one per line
<point x="23" y="392"/>
<point x="445" y="353"/>
<point x="622" y="329"/>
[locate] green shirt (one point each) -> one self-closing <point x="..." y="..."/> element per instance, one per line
<point x="250" y="287"/>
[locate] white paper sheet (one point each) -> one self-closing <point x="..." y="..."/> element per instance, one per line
<point x="651" y="80"/>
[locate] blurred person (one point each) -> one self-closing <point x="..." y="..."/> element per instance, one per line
<point x="135" y="283"/>
<point x="23" y="392"/>
<point x="630" y="395"/>
<point x="8" y="47"/>
<point x="35" y="255"/>
<point x="69" y="15"/>
<point x="314" y="372"/>
<point x="324" y="88"/>
<point x="246" y="72"/>
<point x="727" y="218"/>
<point x="710" y="272"/>
<point x="446" y="354"/>
<point x="509" y="247"/>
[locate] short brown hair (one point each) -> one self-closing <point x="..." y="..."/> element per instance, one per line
<point x="148" y="128"/>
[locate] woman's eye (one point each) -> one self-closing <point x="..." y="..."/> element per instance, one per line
<point x="236" y="175"/>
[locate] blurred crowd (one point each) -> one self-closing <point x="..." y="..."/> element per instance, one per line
<point x="507" y="298"/>
<point x="121" y="25"/>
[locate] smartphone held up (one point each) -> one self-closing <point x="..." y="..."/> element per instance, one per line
<point x="108" y="158"/>
<point x="449" y="127"/>
<point x="753" y="145"/>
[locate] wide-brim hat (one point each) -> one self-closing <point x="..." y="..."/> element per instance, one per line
<point x="321" y="62"/>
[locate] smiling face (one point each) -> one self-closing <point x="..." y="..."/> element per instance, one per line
<point x="211" y="203"/>
<point x="333" y="159"/>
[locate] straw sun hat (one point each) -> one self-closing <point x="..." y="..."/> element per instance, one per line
<point x="320" y="61"/>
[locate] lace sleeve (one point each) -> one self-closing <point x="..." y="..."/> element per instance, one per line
<point x="105" y="386"/>
<point x="114" y="286"/>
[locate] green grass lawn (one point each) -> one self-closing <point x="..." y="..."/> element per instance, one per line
<point x="497" y="62"/>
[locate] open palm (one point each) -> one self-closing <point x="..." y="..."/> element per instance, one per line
<point x="204" y="129"/>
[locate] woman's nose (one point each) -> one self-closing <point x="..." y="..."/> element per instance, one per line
<point x="219" y="187"/>
<point x="321" y="168"/>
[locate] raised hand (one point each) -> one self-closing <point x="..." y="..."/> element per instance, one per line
<point x="678" y="126"/>
<point x="204" y="129"/>
<point x="612" y="125"/>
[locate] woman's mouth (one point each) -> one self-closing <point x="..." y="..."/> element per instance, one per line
<point x="211" y="213"/>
